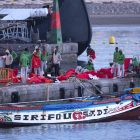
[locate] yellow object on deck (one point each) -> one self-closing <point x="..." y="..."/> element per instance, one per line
<point x="111" y="40"/>
<point x="136" y="90"/>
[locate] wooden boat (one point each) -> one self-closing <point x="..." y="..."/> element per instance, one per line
<point x="98" y="109"/>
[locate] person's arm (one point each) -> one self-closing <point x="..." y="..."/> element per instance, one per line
<point x="47" y="53"/>
<point x="39" y="55"/>
<point x="14" y="55"/>
<point x="123" y="58"/>
<point x="59" y="58"/>
<point x="11" y="59"/>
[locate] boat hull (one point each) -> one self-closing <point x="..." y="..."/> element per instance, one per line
<point x="124" y="110"/>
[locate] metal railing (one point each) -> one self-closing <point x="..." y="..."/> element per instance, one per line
<point x="4" y="75"/>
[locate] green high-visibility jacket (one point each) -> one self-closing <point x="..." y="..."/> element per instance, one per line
<point x="121" y="58"/>
<point x="136" y="63"/>
<point x="116" y="54"/>
<point x="89" y="67"/>
<point x="24" y="60"/>
<point x="28" y="55"/>
<point x="14" y="55"/>
<point x="44" y="58"/>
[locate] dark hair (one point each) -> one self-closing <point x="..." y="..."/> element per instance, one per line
<point x="26" y="49"/>
<point x="89" y="46"/>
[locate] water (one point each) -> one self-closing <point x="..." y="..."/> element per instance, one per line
<point x="104" y="52"/>
<point x="117" y="130"/>
<point x="122" y="130"/>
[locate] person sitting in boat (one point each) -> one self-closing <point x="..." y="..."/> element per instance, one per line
<point x="49" y="70"/>
<point x="89" y="49"/>
<point x="88" y="67"/>
<point x="8" y="59"/>
<point x="44" y="56"/>
<point x="14" y="55"/>
<point x="121" y="58"/>
<point x="36" y="61"/>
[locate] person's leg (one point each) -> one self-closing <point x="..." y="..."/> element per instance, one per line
<point x="45" y="66"/>
<point x="58" y="74"/>
<point x="55" y="67"/>
<point x="35" y="70"/>
<point x="23" y="74"/>
<point x="114" y="69"/>
<point x="123" y="70"/>
<point x="118" y="70"/>
<point x="42" y="65"/>
<point x="12" y="65"/>
<point x="38" y="70"/>
<point x="26" y="70"/>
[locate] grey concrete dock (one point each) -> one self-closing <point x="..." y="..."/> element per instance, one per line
<point x="38" y="92"/>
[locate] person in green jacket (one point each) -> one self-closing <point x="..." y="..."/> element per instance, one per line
<point x="121" y="58"/>
<point x="14" y="55"/>
<point x="28" y="54"/>
<point x="44" y="56"/>
<point x="135" y="62"/>
<point x="89" y="49"/>
<point x="89" y="66"/>
<point x="115" y="60"/>
<point x="24" y="67"/>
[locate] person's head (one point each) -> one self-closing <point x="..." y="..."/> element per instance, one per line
<point x="89" y="46"/>
<point x="26" y="49"/>
<point x="7" y="52"/>
<point x="116" y="49"/>
<point x="120" y="51"/>
<point x="89" y="62"/>
<point x="55" y="51"/>
<point x="49" y="66"/>
<point x="43" y="48"/>
<point x="57" y="47"/>
<point x="10" y="48"/>
<point x="37" y="50"/>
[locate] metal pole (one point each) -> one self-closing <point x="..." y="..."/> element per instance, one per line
<point x="47" y="93"/>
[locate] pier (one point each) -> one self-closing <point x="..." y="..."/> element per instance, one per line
<point x="38" y="92"/>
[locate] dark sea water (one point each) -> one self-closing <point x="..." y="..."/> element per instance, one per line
<point x="117" y="130"/>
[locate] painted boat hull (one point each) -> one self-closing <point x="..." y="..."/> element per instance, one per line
<point x="122" y="110"/>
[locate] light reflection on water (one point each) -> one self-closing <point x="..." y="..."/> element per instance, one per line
<point x="104" y="52"/>
<point x="122" y="130"/>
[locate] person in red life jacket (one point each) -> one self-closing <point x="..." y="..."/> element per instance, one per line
<point x="89" y="49"/>
<point x="36" y="61"/>
<point x="56" y="60"/>
<point x="91" y="57"/>
<point x="44" y="56"/>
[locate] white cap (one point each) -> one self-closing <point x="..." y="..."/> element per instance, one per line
<point x="7" y="51"/>
<point x="36" y="47"/>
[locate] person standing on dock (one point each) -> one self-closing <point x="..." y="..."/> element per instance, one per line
<point x="58" y="52"/>
<point x="24" y="66"/>
<point x="115" y="61"/>
<point x="121" y="58"/>
<point x="14" y="55"/>
<point x="56" y="62"/>
<point x="8" y="59"/>
<point x="36" y="61"/>
<point x="44" y="56"/>
<point x="89" y="49"/>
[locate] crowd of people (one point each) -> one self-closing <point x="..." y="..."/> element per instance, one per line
<point x="34" y="63"/>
